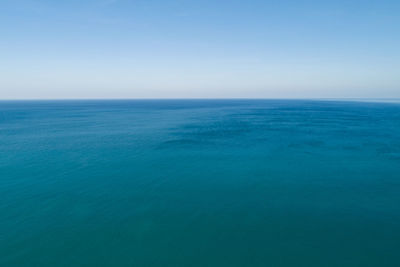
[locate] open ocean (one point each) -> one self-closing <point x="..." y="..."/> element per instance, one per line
<point x="199" y="183"/>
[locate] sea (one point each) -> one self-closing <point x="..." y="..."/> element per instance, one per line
<point x="199" y="183"/>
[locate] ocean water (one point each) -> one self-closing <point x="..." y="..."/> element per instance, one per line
<point x="199" y="183"/>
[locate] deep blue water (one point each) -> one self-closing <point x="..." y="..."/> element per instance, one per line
<point x="199" y="183"/>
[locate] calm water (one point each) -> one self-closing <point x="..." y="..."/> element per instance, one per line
<point x="199" y="183"/>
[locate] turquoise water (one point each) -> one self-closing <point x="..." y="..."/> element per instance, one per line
<point x="199" y="183"/>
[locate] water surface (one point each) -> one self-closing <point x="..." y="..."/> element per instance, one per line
<point x="199" y="183"/>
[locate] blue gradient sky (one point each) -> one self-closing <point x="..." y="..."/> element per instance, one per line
<point x="207" y="49"/>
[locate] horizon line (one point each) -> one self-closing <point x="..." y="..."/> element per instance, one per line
<point x="369" y="99"/>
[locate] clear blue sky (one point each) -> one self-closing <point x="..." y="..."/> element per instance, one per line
<point x="179" y="48"/>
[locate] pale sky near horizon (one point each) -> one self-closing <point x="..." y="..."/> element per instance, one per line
<point x="205" y="49"/>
